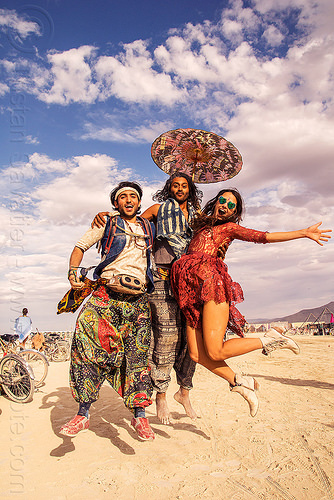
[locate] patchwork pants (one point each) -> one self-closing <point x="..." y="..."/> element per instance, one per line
<point x="111" y="342"/>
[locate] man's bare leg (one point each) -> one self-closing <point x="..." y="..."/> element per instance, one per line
<point x="162" y="408"/>
<point x="182" y="397"/>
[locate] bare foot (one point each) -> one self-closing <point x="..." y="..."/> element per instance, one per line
<point x="162" y="408"/>
<point x="182" y="397"/>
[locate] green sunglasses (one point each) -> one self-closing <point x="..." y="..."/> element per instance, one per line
<point x="230" y="204"/>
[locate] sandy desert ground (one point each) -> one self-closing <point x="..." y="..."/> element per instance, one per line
<point x="285" y="452"/>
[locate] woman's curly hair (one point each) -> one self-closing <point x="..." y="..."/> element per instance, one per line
<point x="206" y="217"/>
<point x="195" y="194"/>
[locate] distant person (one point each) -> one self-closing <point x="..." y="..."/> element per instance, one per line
<point x="207" y="295"/>
<point x="22" y="327"/>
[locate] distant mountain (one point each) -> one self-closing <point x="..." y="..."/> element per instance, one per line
<point x="312" y="314"/>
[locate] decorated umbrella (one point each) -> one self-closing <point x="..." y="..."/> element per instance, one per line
<point x="204" y="156"/>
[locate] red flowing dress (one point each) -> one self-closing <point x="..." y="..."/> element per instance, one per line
<point x="200" y="275"/>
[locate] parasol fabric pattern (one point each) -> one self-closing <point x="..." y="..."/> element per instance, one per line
<point x="206" y="157"/>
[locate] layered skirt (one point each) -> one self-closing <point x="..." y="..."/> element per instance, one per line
<point x="197" y="278"/>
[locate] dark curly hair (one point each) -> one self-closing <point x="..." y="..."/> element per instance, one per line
<point x="195" y="194"/>
<point x="124" y="184"/>
<point x="207" y="219"/>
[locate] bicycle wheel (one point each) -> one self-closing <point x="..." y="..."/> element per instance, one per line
<point x="16" y="379"/>
<point x="38" y="363"/>
<point x="61" y="351"/>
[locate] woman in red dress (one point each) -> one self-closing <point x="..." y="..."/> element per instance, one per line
<point x="207" y="295"/>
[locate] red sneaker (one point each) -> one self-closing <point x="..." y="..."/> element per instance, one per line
<point x="143" y="428"/>
<point x="74" y="426"/>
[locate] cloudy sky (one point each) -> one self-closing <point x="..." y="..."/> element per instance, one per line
<point x="86" y="87"/>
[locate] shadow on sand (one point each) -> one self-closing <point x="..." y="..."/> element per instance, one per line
<point x="297" y="381"/>
<point x="108" y="414"/>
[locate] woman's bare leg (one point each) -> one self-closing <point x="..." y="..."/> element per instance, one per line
<point x="245" y="386"/>
<point x="214" y="323"/>
<point x="206" y="346"/>
<point x="198" y="353"/>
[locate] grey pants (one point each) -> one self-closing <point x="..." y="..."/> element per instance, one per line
<point x="168" y="340"/>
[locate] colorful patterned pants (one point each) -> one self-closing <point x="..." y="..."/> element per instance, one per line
<point x="168" y="343"/>
<point x="111" y="342"/>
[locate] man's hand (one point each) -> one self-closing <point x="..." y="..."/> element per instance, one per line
<point x="75" y="261"/>
<point x="75" y="282"/>
<point x="99" y="219"/>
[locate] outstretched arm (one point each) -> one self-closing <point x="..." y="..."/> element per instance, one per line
<point x="312" y="232"/>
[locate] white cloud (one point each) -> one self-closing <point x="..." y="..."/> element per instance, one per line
<point x="78" y="75"/>
<point x="131" y="77"/>
<point x="41" y="163"/>
<point x="67" y="78"/>
<point x="29" y="139"/>
<point x="232" y="29"/>
<point x="273" y="36"/>
<point x="177" y="56"/>
<point x="78" y="192"/>
<point x="72" y="77"/>
<point x="237" y="21"/>
<point x="108" y="134"/>
<point x="193" y="56"/>
<point x="148" y="132"/>
<point x="292" y="142"/>
<point x="3" y="89"/>
<point x="10" y="19"/>
<point x="115" y="133"/>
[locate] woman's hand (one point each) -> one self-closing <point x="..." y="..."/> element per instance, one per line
<point x="312" y="232"/>
<point x="316" y="234"/>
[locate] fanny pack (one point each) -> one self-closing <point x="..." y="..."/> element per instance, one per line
<point x="124" y="283"/>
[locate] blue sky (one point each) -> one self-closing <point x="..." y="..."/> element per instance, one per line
<point x="85" y="89"/>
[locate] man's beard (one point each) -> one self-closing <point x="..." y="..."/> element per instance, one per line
<point x="182" y="197"/>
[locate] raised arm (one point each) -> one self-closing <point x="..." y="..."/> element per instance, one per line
<point x="312" y="232"/>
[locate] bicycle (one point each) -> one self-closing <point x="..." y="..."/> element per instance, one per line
<point x="55" y="348"/>
<point x="16" y="378"/>
<point x="35" y="359"/>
